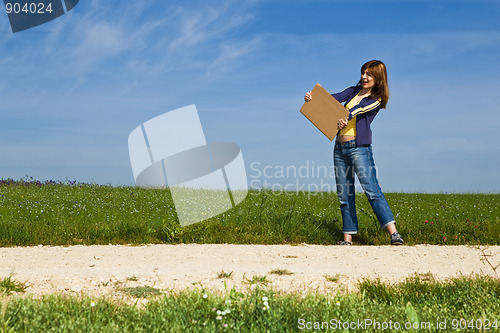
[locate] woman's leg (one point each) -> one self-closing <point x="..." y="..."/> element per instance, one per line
<point x="366" y="172"/>
<point x="344" y="177"/>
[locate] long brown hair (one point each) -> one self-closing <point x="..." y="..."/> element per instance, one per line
<point x="380" y="90"/>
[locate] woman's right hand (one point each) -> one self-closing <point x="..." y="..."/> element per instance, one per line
<point x="342" y="123"/>
<point x="308" y="96"/>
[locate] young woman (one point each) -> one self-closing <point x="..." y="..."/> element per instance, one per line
<point x="353" y="151"/>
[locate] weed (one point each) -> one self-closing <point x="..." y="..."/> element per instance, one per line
<point x="426" y="277"/>
<point x="8" y="285"/>
<point x="257" y="279"/>
<point x="224" y="275"/>
<point x="142" y="291"/>
<point x="281" y="272"/>
<point x="332" y="278"/>
<point x="494" y="268"/>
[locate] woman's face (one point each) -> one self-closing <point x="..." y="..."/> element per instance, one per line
<point x="367" y="81"/>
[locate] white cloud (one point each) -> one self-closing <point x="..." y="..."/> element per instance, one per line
<point x="229" y="53"/>
<point x="133" y="60"/>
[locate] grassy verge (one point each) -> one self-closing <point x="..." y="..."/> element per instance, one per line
<point x="419" y="302"/>
<point x="54" y="213"/>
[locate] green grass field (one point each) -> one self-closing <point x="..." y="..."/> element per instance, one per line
<point x="416" y="305"/>
<point x="50" y="213"/>
<point x="55" y="213"/>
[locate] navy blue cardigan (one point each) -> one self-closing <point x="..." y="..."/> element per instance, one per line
<point x="364" y="112"/>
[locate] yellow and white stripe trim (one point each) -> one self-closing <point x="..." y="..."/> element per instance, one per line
<point x="370" y="107"/>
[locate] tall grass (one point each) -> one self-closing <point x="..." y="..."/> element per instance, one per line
<point x="55" y="213"/>
<point x="420" y="302"/>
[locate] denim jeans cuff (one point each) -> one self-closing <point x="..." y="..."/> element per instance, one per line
<point x="350" y="232"/>
<point x="387" y="224"/>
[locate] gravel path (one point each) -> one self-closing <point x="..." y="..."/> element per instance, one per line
<point x="106" y="270"/>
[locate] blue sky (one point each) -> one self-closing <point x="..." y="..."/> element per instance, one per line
<point x="73" y="89"/>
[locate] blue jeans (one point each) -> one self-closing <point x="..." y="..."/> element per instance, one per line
<point x="350" y="160"/>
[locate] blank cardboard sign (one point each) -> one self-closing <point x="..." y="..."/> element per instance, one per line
<point x="324" y="111"/>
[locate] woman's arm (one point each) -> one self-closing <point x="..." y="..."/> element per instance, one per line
<point x="366" y="105"/>
<point x="342" y="96"/>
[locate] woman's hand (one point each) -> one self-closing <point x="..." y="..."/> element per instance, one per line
<point x="342" y="123"/>
<point x="308" y="96"/>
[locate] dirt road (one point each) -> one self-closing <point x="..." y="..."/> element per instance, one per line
<point x="106" y="270"/>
